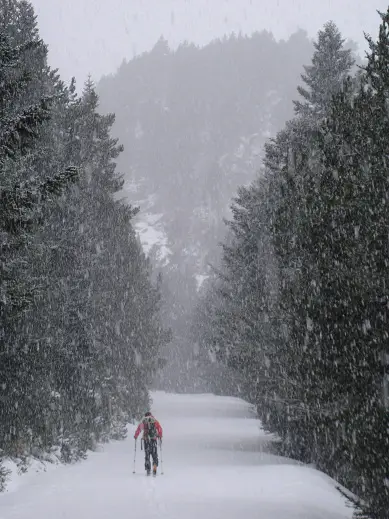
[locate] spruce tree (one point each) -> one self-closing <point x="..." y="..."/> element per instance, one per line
<point x="354" y="146"/>
<point x="331" y="63"/>
<point x="270" y="327"/>
<point x="105" y="308"/>
<point x="79" y="312"/>
<point x="24" y="193"/>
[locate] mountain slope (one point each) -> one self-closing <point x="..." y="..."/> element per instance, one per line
<point x="193" y="123"/>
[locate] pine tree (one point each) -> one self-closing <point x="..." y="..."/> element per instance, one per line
<point x="293" y="159"/>
<point x="331" y="63"/>
<point x="335" y="296"/>
<point x="104" y="308"/>
<point x="23" y="194"/>
<point x="355" y="223"/>
<point x="79" y="313"/>
<point x="266" y="336"/>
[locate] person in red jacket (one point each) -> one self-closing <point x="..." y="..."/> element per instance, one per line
<point x="152" y="431"/>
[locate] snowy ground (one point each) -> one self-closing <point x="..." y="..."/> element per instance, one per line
<point x="215" y="464"/>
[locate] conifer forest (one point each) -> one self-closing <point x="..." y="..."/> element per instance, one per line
<point x="205" y="219"/>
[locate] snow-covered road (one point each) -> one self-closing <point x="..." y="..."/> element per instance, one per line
<point x="215" y="464"/>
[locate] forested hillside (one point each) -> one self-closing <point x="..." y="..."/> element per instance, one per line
<point x="193" y="123"/>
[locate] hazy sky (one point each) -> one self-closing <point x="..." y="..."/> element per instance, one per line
<point x="93" y="36"/>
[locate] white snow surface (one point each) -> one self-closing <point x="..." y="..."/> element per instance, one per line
<point x="151" y="234"/>
<point x="215" y="467"/>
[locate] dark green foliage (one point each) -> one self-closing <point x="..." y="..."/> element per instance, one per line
<point x="79" y="315"/>
<point x="330" y="64"/>
<point x="302" y="310"/>
<point x="21" y="198"/>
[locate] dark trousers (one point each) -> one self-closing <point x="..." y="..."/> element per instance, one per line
<point x="151" y="450"/>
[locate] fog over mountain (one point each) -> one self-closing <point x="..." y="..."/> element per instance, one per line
<point x="121" y="29"/>
<point x="193" y="122"/>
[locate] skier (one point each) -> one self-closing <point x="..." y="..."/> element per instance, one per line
<point x="152" y="431"/>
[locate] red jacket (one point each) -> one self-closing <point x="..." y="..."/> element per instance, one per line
<point x="141" y="427"/>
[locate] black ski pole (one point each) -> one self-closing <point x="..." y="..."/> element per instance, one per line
<point x="160" y="448"/>
<point x="134" y="457"/>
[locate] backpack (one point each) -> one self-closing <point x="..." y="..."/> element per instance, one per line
<point x="149" y="428"/>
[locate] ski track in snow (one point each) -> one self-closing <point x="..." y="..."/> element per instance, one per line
<point x="216" y="467"/>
